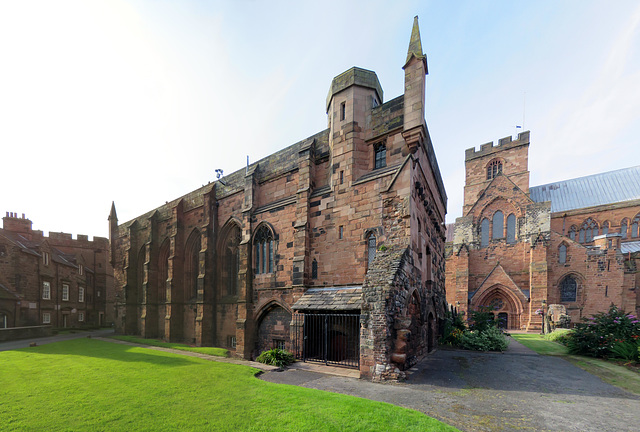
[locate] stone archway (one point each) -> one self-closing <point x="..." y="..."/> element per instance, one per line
<point x="273" y="329"/>
<point x="506" y="307"/>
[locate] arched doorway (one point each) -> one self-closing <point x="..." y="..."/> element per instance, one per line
<point x="273" y="330"/>
<point x="503" y="303"/>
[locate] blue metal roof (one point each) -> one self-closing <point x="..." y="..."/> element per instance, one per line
<point x="630" y="247"/>
<point x="594" y="190"/>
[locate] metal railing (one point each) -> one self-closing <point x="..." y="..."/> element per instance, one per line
<point x="332" y="339"/>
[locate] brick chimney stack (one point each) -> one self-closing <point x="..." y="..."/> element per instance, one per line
<point x="11" y="222"/>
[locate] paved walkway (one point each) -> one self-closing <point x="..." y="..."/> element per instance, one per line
<point x="512" y="391"/>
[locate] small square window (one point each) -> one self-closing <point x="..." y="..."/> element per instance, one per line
<point x="65" y="292"/>
<point x="231" y="341"/>
<point x="46" y="318"/>
<point x="278" y="343"/>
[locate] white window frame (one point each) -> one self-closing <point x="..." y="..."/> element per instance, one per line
<point x="81" y="316"/>
<point x="46" y="318"/>
<point x="65" y="292"/>
<point x="46" y="290"/>
<point x="80" y="269"/>
<point x="80" y="294"/>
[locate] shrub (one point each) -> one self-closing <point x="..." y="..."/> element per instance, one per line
<point x="276" y="357"/>
<point x="490" y="339"/>
<point x="625" y="350"/>
<point x="559" y="335"/>
<point x="452" y="328"/>
<point x="482" y="319"/>
<point x="599" y="334"/>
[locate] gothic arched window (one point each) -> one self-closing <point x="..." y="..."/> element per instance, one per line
<point x="142" y="256"/>
<point x="562" y="253"/>
<point x="572" y="232"/>
<point x="263" y="243"/>
<point x="484" y="233"/>
<point x="498" y="225"/>
<point x="623" y="228"/>
<point x="588" y="231"/>
<point x="231" y="260"/>
<point x="511" y="228"/>
<point x="605" y="228"/>
<point x="494" y="168"/>
<point x="314" y="269"/>
<point x="634" y="226"/>
<point x="568" y="289"/>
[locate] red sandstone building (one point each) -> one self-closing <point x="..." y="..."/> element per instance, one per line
<point x="332" y="248"/>
<point x="519" y="249"/>
<point x="55" y="280"/>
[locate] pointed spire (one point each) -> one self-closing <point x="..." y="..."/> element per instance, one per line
<point x="415" y="46"/>
<point x="112" y="214"/>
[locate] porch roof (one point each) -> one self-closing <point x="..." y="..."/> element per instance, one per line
<point x="330" y="299"/>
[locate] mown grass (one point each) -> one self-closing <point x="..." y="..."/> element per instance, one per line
<point x="540" y="345"/>
<point x="606" y="370"/>
<point x="87" y="384"/>
<point x="219" y="352"/>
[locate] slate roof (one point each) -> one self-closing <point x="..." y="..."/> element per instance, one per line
<point x="594" y="190"/>
<point x="6" y="294"/>
<point x="331" y="299"/>
<point x="630" y="247"/>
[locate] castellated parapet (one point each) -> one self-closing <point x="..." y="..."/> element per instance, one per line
<point x="503" y="144"/>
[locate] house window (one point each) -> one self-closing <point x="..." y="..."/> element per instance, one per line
<point x="263" y="242"/>
<point x="343" y="111"/>
<point x="46" y="290"/>
<point x="278" y="343"/>
<point x="562" y="254"/>
<point x="623" y="229"/>
<point x="511" y="229"/>
<point x="498" y="225"/>
<point x="380" y="159"/>
<point x="45" y="258"/>
<point x="65" y="292"/>
<point x="493" y="169"/>
<point x="46" y="318"/>
<point x="568" y="289"/>
<point x="371" y="248"/>
<point x="484" y="233"/>
<point x="81" y="294"/>
<point x="80" y="269"/>
<point x="231" y="341"/>
<point x="341" y="232"/>
<point x="314" y="269"/>
<point x="80" y="316"/>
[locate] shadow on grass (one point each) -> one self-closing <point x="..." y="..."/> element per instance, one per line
<point x="112" y="351"/>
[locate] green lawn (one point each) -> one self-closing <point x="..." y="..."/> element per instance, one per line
<point x="540" y="345"/>
<point x="607" y="371"/>
<point x="87" y="384"/>
<point x="219" y="352"/>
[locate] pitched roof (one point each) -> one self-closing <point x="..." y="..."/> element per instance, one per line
<point x="630" y="247"/>
<point x="335" y="298"/>
<point x="594" y="190"/>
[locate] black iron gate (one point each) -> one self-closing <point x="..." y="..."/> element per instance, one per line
<point x="332" y="339"/>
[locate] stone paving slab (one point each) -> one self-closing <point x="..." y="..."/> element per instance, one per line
<point x="518" y="390"/>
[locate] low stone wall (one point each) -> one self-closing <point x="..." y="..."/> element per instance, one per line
<point x="15" y="333"/>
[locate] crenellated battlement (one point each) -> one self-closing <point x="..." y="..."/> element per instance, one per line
<point x="503" y="144"/>
<point x="22" y="225"/>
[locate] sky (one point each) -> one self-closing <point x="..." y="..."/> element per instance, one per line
<point x="139" y="102"/>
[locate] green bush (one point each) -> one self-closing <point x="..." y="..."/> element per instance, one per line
<point x="626" y="351"/>
<point x="482" y="319"/>
<point x="276" y="357"/>
<point x="559" y="335"/>
<point x="600" y="334"/>
<point x="489" y="339"/>
<point x="452" y="328"/>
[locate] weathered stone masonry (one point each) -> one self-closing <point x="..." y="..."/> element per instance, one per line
<point x="346" y="221"/>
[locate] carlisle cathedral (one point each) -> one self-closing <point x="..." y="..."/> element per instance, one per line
<point x="335" y="248"/>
